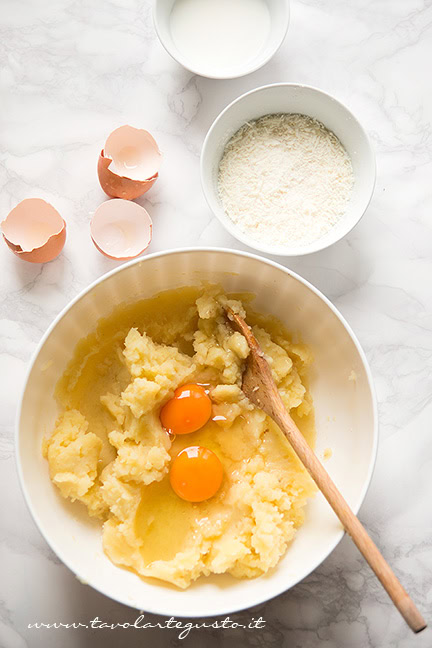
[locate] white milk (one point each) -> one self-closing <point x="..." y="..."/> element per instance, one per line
<point x="218" y="35"/>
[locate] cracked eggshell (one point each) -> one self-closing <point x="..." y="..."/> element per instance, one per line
<point x="121" y="229"/>
<point x="34" y="231"/>
<point x="129" y="163"/>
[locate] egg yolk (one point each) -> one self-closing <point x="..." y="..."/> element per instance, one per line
<point x="196" y="474"/>
<point x="188" y="411"/>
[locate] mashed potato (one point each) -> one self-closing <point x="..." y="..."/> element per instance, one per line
<point x="109" y="451"/>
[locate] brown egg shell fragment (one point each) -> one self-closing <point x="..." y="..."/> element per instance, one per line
<point x="108" y="230"/>
<point x="116" y="186"/>
<point x="16" y="229"/>
<point x="129" y="163"/>
<point x="134" y="153"/>
<point x="119" y="258"/>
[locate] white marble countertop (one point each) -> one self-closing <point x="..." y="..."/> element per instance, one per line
<point x="71" y="71"/>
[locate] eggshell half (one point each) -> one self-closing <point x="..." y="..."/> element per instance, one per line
<point x="129" y="163"/>
<point x="34" y="231"/>
<point x="121" y="229"/>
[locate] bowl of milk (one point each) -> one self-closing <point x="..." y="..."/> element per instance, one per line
<point x="221" y="39"/>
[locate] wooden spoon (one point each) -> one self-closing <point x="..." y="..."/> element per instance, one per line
<point x="259" y="386"/>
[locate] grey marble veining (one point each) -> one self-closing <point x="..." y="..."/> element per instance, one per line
<point x="71" y="71"/>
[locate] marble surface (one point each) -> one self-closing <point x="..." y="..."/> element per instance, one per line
<point x="71" y="71"/>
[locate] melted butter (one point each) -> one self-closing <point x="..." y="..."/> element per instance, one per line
<point x="164" y="522"/>
<point x="97" y="368"/>
<point x="97" y="354"/>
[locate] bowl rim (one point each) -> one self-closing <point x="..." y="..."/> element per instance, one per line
<point x="289" y="251"/>
<point x="193" y="250"/>
<point x="176" y="56"/>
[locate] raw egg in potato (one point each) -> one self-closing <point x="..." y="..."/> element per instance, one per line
<point x="196" y="474"/>
<point x="187" y="411"/>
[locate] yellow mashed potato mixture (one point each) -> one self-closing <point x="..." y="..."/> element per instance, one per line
<point x="109" y="450"/>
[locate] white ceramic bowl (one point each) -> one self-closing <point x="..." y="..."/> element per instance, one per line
<point x="291" y="98"/>
<point x="279" y="16"/>
<point x="345" y="415"/>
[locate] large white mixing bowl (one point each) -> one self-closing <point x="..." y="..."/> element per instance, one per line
<point x="345" y="415"/>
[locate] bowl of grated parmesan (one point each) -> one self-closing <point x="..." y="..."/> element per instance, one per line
<point x="287" y="169"/>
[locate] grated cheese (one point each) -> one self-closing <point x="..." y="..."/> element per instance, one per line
<point x="285" y="179"/>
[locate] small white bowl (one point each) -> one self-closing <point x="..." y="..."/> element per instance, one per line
<point x="279" y="16"/>
<point x="345" y="410"/>
<point x="291" y="98"/>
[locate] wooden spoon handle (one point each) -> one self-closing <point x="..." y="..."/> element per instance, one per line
<point x="351" y="523"/>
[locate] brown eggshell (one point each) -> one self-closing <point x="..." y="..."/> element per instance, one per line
<point x="118" y="186"/>
<point x="121" y="229"/>
<point x="129" y="163"/>
<point x="34" y="231"/>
